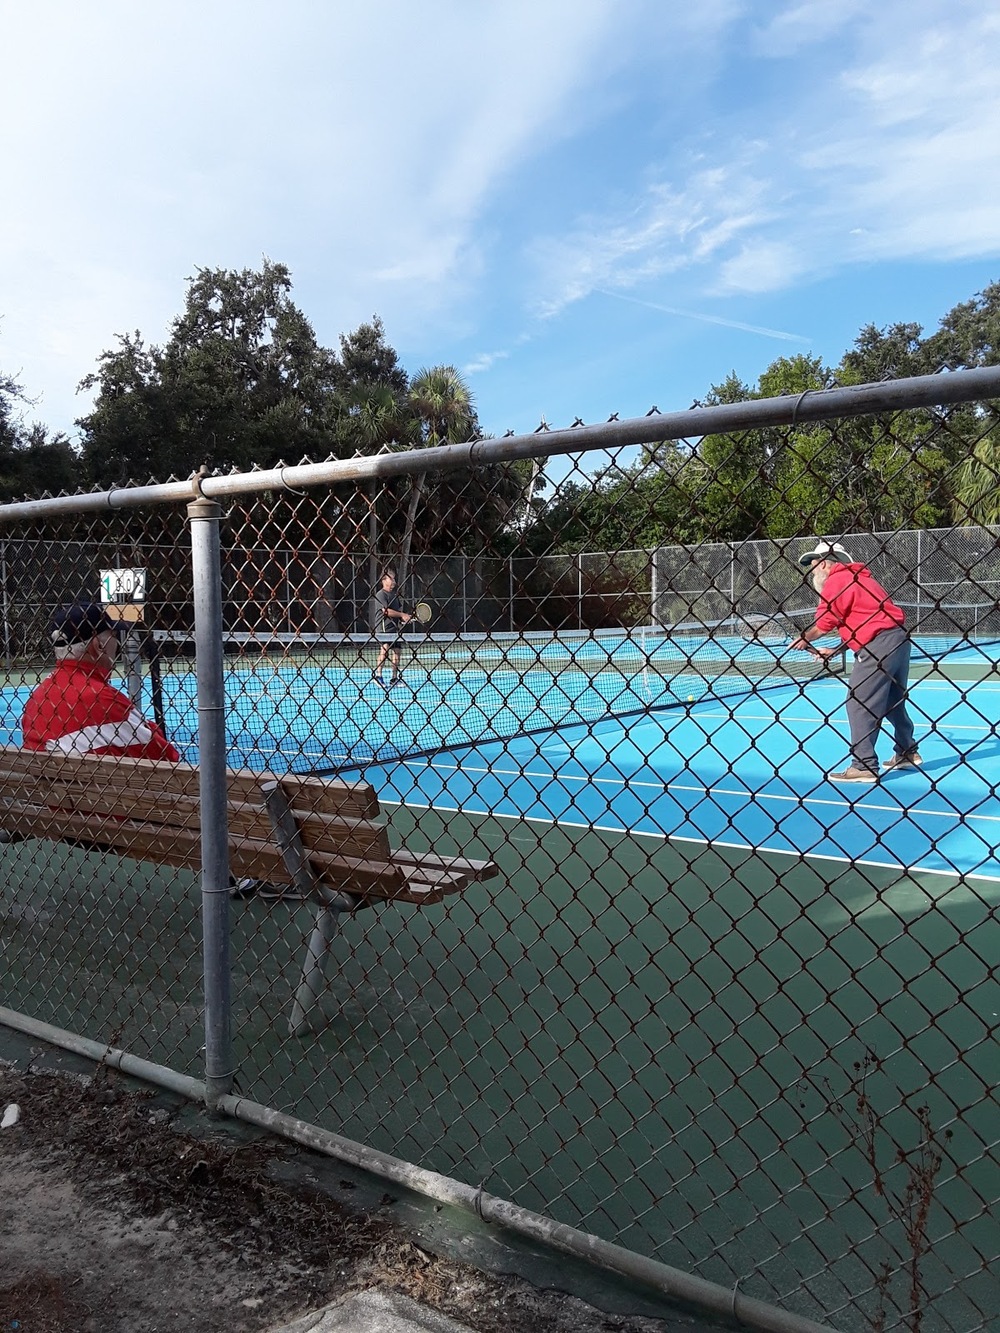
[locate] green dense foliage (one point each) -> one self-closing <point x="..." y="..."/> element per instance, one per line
<point x="915" y="469"/>
<point x="31" y="463"/>
<point x="241" y="382"/>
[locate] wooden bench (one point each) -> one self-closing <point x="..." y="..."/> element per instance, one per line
<point x="318" y="836"/>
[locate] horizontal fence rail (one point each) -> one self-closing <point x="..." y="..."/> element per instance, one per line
<point x="634" y="957"/>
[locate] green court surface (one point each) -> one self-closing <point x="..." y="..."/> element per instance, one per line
<point x="655" y="1047"/>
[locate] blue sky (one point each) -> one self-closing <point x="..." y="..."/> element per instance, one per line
<point x="588" y="206"/>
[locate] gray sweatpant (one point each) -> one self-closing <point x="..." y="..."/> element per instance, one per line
<point x="877" y="693"/>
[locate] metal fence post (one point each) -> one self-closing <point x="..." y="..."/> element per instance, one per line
<point x="7" y="650"/>
<point x="206" y="568"/>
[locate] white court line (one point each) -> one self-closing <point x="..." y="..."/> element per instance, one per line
<point x="983" y="686"/>
<point x="623" y="784"/>
<point x="952" y="873"/>
<point x="826" y="719"/>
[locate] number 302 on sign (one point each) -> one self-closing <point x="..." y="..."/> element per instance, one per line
<point x="123" y="585"/>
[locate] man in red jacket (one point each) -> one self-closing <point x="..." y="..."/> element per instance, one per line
<point x="76" y="709"/>
<point x="852" y="602"/>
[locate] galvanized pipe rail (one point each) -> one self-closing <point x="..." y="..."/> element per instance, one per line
<point x="670" y="1283"/>
<point x="942" y="390"/>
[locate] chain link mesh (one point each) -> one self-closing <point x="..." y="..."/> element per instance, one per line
<point x="714" y="1008"/>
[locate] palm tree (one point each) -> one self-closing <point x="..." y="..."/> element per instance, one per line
<point x="976" y="489"/>
<point x="371" y="415"/>
<point x="442" y="405"/>
<point x="442" y="402"/>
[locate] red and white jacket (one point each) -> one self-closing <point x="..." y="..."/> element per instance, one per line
<point x="76" y="710"/>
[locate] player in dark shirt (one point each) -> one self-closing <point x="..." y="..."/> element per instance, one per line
<point x="391" y="619"/>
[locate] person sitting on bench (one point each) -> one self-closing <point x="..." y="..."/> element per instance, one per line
<point x="76" y="709"/>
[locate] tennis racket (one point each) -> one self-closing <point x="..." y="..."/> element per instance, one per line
<point x="423" y="612"/>
<point x="778" y="633"/>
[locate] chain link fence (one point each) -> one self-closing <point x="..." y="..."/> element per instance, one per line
<point x="713" y="1008"/>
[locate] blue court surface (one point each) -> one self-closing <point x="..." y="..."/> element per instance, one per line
<point x="746" y="773"/>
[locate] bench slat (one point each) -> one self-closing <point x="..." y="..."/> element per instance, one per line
<point x="154" y="816"/>
<point x="474" y="871"/>
<point x="365" y="876"/>
<point x="116" y="773"/>
<point x="168" y="812"/>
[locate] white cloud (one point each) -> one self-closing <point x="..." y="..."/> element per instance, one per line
<point x="382" y="153"/>
<point x="485" y="361"/>
<point x="805" y="24"/>
<point x="357" y="144"/>
<point x="915" y="167"/>
<point x="892" y="157"/>
<point x="666" y="231"/>
<point x="761" y="266"/>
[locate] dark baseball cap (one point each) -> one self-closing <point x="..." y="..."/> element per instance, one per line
<point x="79" y="623"/>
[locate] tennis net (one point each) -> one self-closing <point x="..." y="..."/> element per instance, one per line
<point x="939" y="628"/>
<point x="318" y="696"/>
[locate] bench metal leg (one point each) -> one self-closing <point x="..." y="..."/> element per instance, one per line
<point x="288" y="838"/>
<point x="313" y="969"/>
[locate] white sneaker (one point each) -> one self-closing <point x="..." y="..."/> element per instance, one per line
<point x="281" y="892"/>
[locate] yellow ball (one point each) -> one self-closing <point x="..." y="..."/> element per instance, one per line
<point x="690" y="698"/>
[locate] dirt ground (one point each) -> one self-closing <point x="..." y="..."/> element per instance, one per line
<point x="114" y="1218"/>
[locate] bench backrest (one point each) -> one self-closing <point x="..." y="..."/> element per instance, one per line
<point x="150" y="810"/>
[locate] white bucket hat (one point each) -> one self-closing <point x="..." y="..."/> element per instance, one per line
<point x="825" y="551"/>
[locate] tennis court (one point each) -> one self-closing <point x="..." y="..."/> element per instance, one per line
<point x="789" y="929"/>
<point x="702" y="936"/>
<point x="694" y="939"/>
<point x="707" y="737"/>
<point x="712" y="1007"/>
<point x="648" y="1024"/>
<point x="749" y="773"/>
<point x="717" y="738"/>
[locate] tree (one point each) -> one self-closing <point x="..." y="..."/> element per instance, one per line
<point x="366" y="360"/>
<point x="895" y="352"/>
<point x="442" y="405"/>
<point x="31" y="464"/>
<point x="371" y="405"/>
<point x="976" y="483"/>
<point x="738" y="472"/>
<point x="240" y="383"/>
<point x="969" y="335"/>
